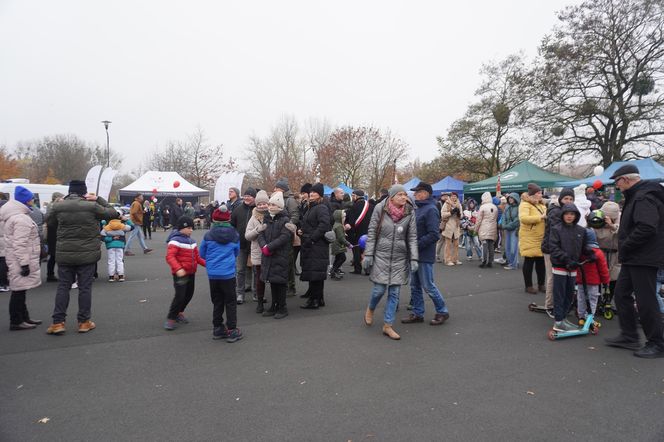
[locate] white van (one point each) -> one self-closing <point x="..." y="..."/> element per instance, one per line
<point x="43" y="192"/>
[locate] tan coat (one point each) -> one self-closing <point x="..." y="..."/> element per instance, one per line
<point x="251" y="234"/>
<point x="452" y="224"/>
<point x="487" y="219"/>
<point x="22" y="245"/>
<point x="531" y="227"/>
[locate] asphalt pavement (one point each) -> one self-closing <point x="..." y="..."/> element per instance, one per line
<point x="489" y="373"/>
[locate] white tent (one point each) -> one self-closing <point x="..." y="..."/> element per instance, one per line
<point x="162" y="184"/>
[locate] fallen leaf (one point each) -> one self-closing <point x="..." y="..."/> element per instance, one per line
<point x="19" y="387"/>
<point x="237" y="398"/>
<point x="303" y="382"/>
<point x="143" y="300"/>
<point x="44" y="420"/>
<point x="532" y="393"/>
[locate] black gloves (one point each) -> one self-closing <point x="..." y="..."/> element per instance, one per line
<point x="572" y="265"/>
<point x="25" y="270"/>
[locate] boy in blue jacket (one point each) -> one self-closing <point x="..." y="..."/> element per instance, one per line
<point x="220" y="248"/>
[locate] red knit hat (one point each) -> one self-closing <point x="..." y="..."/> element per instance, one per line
<point x="221" y="214"/>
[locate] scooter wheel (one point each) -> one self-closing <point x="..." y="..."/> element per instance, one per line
<point x="552" y="334"/>
<point x="594" y="330"/>
<point x="608" y="314"/>
<point x="531" y="307"/>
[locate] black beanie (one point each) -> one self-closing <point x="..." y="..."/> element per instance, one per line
<point x="566" y="192"/>
<point x="78" y="187"/>
<point x="250" y="191"/>
<point x="533" y="189"/>
<point x="306" y="188"/>
<point x="185" y="222"/>
<point x="318" y="188"/>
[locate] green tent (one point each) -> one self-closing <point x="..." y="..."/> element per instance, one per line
<point x="516" y="179"/>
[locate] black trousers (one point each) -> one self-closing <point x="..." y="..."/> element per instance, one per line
<point x="18" y="311"/>
<point x="357" y="259"/>
<point x="147" y="230"/>
<point x="316" y="289"/>
<point x="4" y="282"/>
<point x="642" y="281"/>
<point x="278" y="295"/>
<point x="339" y="259"/>
<point x="538" y="263"/>
<point x="184" y="291"/>
<point x="222" y="294"/>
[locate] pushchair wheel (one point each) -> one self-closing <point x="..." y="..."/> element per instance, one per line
<point x="608" y="314"/>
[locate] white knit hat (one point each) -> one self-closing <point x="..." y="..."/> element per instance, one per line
<point x="277" y="199"/>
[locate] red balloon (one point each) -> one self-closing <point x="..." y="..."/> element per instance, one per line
<point x="154" y="190"/>
<point x="597" y="184"/>
<point x="176" y="184"/>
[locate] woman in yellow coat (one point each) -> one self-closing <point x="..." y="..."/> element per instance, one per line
<point x="532" y="218"/>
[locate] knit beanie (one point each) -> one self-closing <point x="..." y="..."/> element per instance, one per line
<point x="261" y="197"/>
<point x="221" y="214"/>
<point x="612" y="210"/>
<point x="23" y="195"/>
<point x="184" y="222"/>
<point x="282" y="184"/>
<point x="319" y="189"/>
<point x="277" y="199"/>
<point x="78" y="187"/>
<point x="396" y="188"/>
<point x="567" y="191"/>
<point x="533" y="189"/>
<point x="56" y="195"/>
<point x="250" y="191"/>
<point x="358" y="192"/>
<point x="236" y="190"/>
<point x="306" y="188"/>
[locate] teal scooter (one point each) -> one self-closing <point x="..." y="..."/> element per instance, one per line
<point x="589" y="327"/>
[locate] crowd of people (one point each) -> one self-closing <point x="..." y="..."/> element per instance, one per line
<point x="574" y="241"/>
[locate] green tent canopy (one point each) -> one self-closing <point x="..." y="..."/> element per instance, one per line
<point x="516" y="179"/>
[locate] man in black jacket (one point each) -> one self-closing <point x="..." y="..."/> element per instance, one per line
<point x="641" y="253"/>
<point x="239" y="219"/>
<point x="357" y="219"/>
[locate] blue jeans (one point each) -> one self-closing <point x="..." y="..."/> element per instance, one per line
<point x="392" y="300"/>
<point x="512" y="248"/>
<point x="659" y="298"/>
<point x="138" y="231"/>
<point x="423" y="280"/>
<point x="472" y="242"/>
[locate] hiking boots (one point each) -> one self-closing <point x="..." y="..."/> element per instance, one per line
<point x="220" y="333"/>
<point x="84" y="327"/>
<point x="234" y="335"/>
<point x="412" y="319"/>
<point x="56" y="329"/>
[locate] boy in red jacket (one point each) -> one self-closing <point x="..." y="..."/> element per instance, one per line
<point x="183" y="258"/>
<point x="596" y="273"/>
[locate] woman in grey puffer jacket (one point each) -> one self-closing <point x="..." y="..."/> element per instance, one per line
<point x="390" y="253"/>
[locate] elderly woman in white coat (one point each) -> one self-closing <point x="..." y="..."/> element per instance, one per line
<point x="487" y="228"/>
<point x="254" y="227"/>
<point x="22" y="249"/>
<point x="391" y="253"/>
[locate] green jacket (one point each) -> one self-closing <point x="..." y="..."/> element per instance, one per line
<point x="77" y="222"/>
<point x="340" y="243"/>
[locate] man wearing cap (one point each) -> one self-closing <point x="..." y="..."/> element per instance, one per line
<point x="428" y="233"/>
<point x="358" y="218"/>
<point x="293" y="210"/>
<point x="76" y="220"/>
<point x="239" y="219"/>
<point x="641" y="253"/>
<point x="234" y="200"/>
<point x="136" y="216"/>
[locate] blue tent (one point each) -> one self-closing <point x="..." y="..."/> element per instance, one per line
<point x="649" y="169"/>
<point x="448" y="184"/>
<point x="327" y="189"/>
<point x="414" y="181"/>
<point x="346" y="189"/>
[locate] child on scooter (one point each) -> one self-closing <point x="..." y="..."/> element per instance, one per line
<point x="595" y="272"/>
<point x="567" y="243"/>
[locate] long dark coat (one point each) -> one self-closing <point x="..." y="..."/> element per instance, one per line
<point x="315" y="248"/>
<point x="279" y="240"/>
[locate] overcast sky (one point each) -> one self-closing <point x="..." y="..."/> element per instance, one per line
<point x="158" y="69"/>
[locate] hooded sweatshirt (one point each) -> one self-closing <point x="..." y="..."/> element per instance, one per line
<point x="219" y="248"/>
<point x="510" y="219"/>
<point x="567" y="243"/>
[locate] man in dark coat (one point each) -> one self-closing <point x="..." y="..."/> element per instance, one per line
<point x="315" y="248"/>
<point x="176" y="212"/>
<point x="76" y="220"/>
<point x="357" y="224"/>
<point x="641" y="253"/>
<point x="239" y="219"/>
<point x="336" y="200"/>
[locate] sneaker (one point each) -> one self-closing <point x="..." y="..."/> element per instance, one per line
<point x="469" y="258"/>
<point x="412" y="319"/>
<point x="499" y="261"/>
<point x="280" y="314"/>
<point x="84" y="327"/>
<point x="509" y="268"/>
<point x="458" y="263"/>
<point x="121" y="278"/>
<point x="22" y="326"/>
<point x="220" y="333"/>
<point x="4" y="288"/>
<point x="170" y="324"/>
<point x="563" y="326"/>
<point x="181" y="319"/>
<point x="234" y="335"/>
<point x="74" y="285"/>
<point x="570" y="324"/>
<point x="57" y="328"/>
<point x="146" y="251"/>
<point x="270" y="311"/>
<point x="111" y="279"/>
<point x="450" y="264"/>
<point x="129" y="253"/>
<point x="549" y="312"/>
<point x="239" y="300"/>
<point x="650" y="351"/>
<point x="622" y="341"/>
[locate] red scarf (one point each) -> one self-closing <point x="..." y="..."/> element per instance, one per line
<point x="395" y="212"/>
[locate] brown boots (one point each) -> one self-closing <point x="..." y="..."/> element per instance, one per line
<point x="390" y="333"/>
<point x="368" y="316"/>
<point x="531" y="290"/>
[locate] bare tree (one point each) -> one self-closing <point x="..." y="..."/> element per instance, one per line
<point x="386" y="153"/>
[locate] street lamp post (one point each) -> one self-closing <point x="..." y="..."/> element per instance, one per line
<point x="108" y="144"/>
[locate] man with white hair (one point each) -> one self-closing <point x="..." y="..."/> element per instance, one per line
<point x="641" y="253"/>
